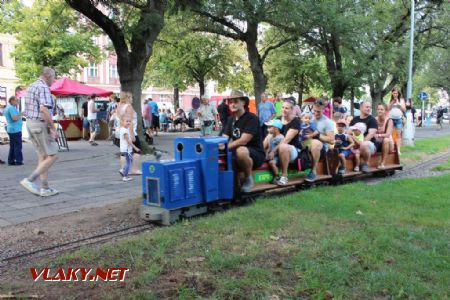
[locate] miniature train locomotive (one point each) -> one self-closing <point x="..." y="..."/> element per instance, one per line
<point x="201" y="176"/>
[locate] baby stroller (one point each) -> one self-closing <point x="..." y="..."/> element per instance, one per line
<point x="148" y="138"/>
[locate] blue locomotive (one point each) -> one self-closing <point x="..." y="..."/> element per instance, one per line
<point x="200" y="174"/>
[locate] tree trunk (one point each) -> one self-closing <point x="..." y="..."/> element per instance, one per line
<point x="404" y="90"/>
<point x="377" y="92"/>
<point x="132" y="56"/>
<point x="201" y="84"/>
<point x="301" y="88"/>
<point x="176" y="97"/>
<point x="352" y="101"/>
<point x="334" y="67"/>
<point x="376" y="95"/>
<point x="256" y="63"/>
<point x="131" y="78"/>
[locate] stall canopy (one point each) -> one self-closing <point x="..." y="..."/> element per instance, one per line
<point x="66" y="86"/>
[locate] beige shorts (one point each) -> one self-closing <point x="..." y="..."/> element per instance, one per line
<point x="40" y="137"/>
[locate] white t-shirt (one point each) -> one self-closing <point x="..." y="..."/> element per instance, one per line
<point x="124" y="146"/>
<point x="91" y="115"/>
<point x="395" y="113"/>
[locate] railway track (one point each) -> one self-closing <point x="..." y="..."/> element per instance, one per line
<point x="76" y="244"/>
<point x="417" y="170"/>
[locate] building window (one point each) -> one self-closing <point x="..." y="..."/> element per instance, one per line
<point x="113" y="71"/>
<point x="92" y="70"/>
<point x="1" y="54"/>
<point x="165" y="98"/>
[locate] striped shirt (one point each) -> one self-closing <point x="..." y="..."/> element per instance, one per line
<point x="38" y="94"/>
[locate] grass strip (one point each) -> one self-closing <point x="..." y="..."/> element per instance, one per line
<point x="443" y="167"/>
<point x="424" y="148"/>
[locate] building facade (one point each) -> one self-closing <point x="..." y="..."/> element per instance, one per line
<point x="103" y="75"/>
<point x="8" y="79"/>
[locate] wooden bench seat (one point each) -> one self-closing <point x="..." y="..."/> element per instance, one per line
<point x="392" y="162"/>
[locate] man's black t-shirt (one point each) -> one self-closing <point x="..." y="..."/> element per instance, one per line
<point x="370" y="122"/>
<point x="85" y="109"/>
<point x="294" y="124"/>
<point x="247" y="123"/>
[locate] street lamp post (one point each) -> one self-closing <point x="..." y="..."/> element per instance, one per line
<point x="409" y="136"/>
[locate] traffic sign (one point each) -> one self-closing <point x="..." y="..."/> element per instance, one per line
<point x="423" y="96"/>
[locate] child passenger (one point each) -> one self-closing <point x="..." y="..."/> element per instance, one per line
<point x="358" y="137"/>
<point x="306" y="128"/>
<point x="126" y="147"/>
<point x="270" y="145"/>
<point x="343" y="143"/>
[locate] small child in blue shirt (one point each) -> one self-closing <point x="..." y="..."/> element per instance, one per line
<point x="344" y="144"/>
<point x="271" y="142"/>
<point x="307" y="127"/>
<point x="163" y="120"/>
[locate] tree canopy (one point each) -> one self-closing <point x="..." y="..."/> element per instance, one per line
<point x="242" y="21"/>
<point x="49" y="33"/>
<point x="183" y="58"/>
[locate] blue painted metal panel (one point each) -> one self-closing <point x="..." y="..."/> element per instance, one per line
<point x="180" y="183"/>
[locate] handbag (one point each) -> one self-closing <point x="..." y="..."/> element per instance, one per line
<point x="207" y="123"/>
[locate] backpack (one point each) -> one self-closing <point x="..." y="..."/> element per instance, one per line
<point x="304" y="159"/>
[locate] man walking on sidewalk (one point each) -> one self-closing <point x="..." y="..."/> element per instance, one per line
<point x="92" y="119"/>
<point x="39" y="107"/>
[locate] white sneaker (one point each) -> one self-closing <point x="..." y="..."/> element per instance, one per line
<point x="356" y="169"/>
<point x="30" y="186"/>
<point x="283" y="180"/>
<point x="127" y="178"/>
<point x="48" y="192"/>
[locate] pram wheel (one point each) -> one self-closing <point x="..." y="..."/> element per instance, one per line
<point x="149" y="139"/>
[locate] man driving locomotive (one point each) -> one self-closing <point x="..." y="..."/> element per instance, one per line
<point x="245" y="139"/>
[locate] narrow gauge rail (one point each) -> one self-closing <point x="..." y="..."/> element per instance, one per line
<point x="76" y="244"/>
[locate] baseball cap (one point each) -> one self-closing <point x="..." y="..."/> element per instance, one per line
<point x="359" y="126"/>
<point x="275" y="123"/>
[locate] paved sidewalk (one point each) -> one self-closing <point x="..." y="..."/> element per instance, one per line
<point x="86" y="176"/>
<point x="431" y="131"/>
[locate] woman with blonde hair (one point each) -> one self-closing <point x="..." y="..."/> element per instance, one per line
<point x="384" y="141"/>
<point x="287" y="150"/>
<point x="125" y="110"/>
<point x="397" y="108"/>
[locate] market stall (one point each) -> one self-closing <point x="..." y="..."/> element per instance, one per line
<point x="70" y="97"/>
